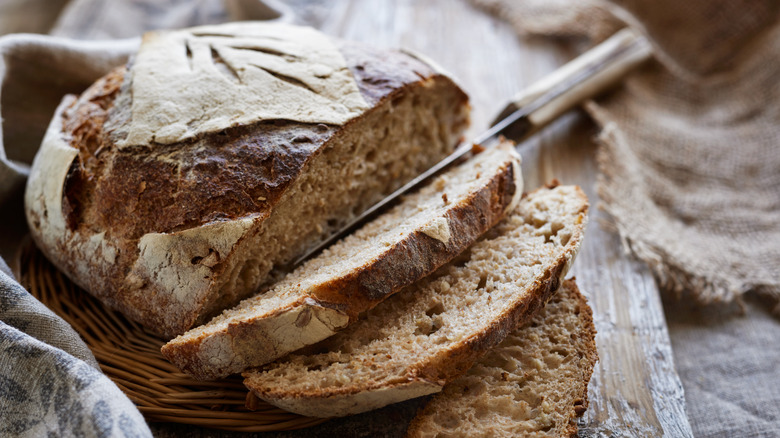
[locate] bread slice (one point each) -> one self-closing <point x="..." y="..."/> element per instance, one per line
<point x="410" y="241"/>
<point x="433" y="331"/>
<point x="183" y="182"/>
<point x="535" y="383"/>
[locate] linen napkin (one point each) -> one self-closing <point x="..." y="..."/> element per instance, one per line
<point x="50" y="383"/>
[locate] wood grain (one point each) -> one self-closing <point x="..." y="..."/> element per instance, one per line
<point x="635" y="390"/>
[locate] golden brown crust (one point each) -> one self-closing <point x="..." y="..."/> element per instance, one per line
<point x="589" y="333"/>
<point x="241" y="172"/>
<point x="585" y="336"/>
<point x="420" y="254"/>
<point x="459" y="358"/>
<point x="405" y="262"/>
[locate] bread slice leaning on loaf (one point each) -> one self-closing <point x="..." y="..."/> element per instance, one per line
<point x="179" y="184"/>
<point x="433" y="331"/>
<point x="533" y="384"/>
<point x="408" y="242"/>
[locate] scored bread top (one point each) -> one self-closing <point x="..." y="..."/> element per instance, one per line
<point x="401" y="246"/>
<point x="189" y="82"/>
<point x="222" y="175"/>
<point x="162" y="231"/>
<point x="433" y="331"/>
<point x="535" y="383"/>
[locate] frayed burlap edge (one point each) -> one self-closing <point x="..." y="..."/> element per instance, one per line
<point x="670" y="273"/>
<point x="592" y="20"/>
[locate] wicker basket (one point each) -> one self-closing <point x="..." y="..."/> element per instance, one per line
<point x="130" y="356"/>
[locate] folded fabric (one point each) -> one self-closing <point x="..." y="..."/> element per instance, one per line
<point x="46" y="391"/>
<point x="23" y="312"/>
<point x="50" y="384"/>
<point x="689" y="163"/>
<point x="689" y="158"/>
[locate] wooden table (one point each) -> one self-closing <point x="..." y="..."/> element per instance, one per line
<point x="635" y="390"/>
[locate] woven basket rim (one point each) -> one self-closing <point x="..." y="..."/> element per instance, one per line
<point x="130" y="356"/>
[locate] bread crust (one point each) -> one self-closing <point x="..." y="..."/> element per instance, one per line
<point x="454" y="361"/>
<point x="589" y="332"/>
<point x="432" y="376"/>
<point x="348" y="403"/>
<point x="342" y="298"/>
<point x="577" y="406"/>
<point x="420" y="254"/>
<point x="168" y="220"/>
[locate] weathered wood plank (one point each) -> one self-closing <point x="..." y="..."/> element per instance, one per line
<point x="635" y="390"/>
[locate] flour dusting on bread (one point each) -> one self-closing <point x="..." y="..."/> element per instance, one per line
<point x="184" y="181"/>
<point x="205" y="79"/>
<point x="439" y="229"/>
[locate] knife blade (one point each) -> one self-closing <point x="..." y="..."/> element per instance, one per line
<point x="584" y="77"/>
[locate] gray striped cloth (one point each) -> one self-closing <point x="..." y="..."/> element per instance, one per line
<point x="50" y="383"/>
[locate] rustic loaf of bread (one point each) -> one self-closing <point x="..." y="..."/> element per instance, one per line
<point x="408" y="242"/>
<point x="180" y="183"/>
<point x="430" y="333"/>
<point x="533" y="384"/>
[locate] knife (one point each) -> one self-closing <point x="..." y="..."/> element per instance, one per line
<point x="586" y="76"/>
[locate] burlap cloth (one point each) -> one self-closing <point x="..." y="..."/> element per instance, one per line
<point x="690" y="163"/>
<point x="688" y="157"/>
<point x="690" y="172"/>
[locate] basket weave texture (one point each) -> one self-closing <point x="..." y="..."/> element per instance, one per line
<point x="130" y="356"/>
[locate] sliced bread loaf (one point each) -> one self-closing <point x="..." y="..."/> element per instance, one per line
<point x="433" y="331"/>
<point x="408" y="242"/>
<point x="179" y="184"/>
<point x="535" y="383"/>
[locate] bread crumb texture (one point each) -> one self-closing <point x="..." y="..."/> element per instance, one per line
<point x="434" y="330"/>
<point x="147" y="195"/>
<point x="358" y="272"/>
<point x="534" y="384"/>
